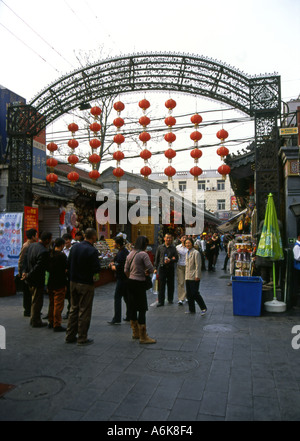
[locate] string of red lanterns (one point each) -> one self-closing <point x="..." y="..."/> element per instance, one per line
<point x="223" y="151"/>
<point x="52" y="163"/>
<point x="118" y="139"/>
<point x="73" y="159"/>
<point x="145" y="137"/>
<point x="196" y="153"/>
<point x="95" y="143"/>
<point x="170" y="137"/>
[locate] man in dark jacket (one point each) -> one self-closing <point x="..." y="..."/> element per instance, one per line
<point x="165" y="258"/>
<point x="83" y="264"/>
<point x="36" y="263"/>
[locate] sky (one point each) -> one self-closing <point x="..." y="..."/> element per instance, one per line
<point x="40" y="42"/>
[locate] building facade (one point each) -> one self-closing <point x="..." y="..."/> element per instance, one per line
<point x="213" y="192"/>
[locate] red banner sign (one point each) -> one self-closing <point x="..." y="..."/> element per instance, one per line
<point x="31" y="219"/>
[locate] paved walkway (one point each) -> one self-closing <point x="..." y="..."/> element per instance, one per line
<point x="216" y="367"/>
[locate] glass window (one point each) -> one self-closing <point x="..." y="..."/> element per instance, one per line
<point x="182" y="185"/>
<point x="221" y="185"/>
<point x="201" y="185"/>
<point x="221" y="204"/>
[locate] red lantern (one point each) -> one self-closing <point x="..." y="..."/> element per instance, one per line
<point x="52" y="178"/>
<point x="144" y="104"/>
<point x="196" y="119"/>
<point x="73" y="159"/>
<point x="170" y="137"/>
<point x="51" y="162"/>
<point x="170" y="153"/>
<point x="119" y="122"/>
<point x="94" y="175"/>
<point x="118" y="172"/>
<point x="196" y="154"/>
<point x="145" y="154"/>
<point x="52" y="147"/>
<point x="224" y="170"/>
<point x="96" y="111"/>
<point x="73" y="143"/>
<point x="170" y="121"/>
<point x="170" y="171"/>
<point x="144" y="121"/>
<point x="196" y="171"/>
<point x="196" y="136"/>
<point x="119" y="106"/>
<point x="94" y="158"/>
<point x="146" y="171"/>
<point x="73" y="177"/>
<point x="222" y="134"/>
<point x="118" y="155"/>
<point x="95" y="127"/>
<point x="222" y="151"/>
<point x="73" y="127"/>
<point x="119" y="139"/>
<point x="145" y="137"/>
<point x="95" y="143"/>
<point x="170" y="104"/>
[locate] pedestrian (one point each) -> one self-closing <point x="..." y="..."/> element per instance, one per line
<point x="67" y="249"/>
<point x="57" y="285"/>
<point x="36" y="263"/>
<point x="210" y="252"/>
<point x="181" y="251"/>
<point x="193" y="277"/>
<point x="79" y="236"/>
<point x="203" y="251"/>
<point x="32" y="237"/>
<point x="227" y="242"/>
<point x="296" y="253"/>
<point x="83" y="264"/>
<point x="137" y="267"/>
<point x="165" y="258"/>
<point x="117" y="265"/>
<point x="217" y="242"/>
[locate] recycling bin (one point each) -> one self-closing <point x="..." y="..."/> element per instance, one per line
<point x="247" y="295"/>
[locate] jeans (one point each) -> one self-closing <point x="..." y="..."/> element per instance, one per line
<point x="121" y="291"/>
<point x="193" y="295"/>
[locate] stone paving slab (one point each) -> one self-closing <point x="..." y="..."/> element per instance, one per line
<point x="218" y="367"/>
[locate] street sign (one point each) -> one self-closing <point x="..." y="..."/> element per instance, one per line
<point x="288" y="131"/>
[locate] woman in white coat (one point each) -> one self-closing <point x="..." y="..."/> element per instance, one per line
<point x="192" y="278"/>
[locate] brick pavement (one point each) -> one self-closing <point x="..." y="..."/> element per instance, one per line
<point x="211" y="368"/>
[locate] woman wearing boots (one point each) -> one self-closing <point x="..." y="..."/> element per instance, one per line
<point x="137" y="267"/>
<point x="192" y="278"/>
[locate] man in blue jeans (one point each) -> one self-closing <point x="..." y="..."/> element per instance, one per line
<point x="83" y="264"/>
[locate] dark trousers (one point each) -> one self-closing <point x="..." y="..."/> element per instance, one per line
<point x="26" y="299"/>
<point x="166" y="277"/>
<point x="81" y="311"/>
<point x="121" y="291"/>
<point x="226" y="261"/>
<point x="137" y="301"/>
<point x="193" y="295"/>
<point x="203" y="261"/>
<point x="210" y="258"/>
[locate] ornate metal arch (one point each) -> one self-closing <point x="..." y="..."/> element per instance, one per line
<point x="159" y="72"/>
<point x="257" y="96"/>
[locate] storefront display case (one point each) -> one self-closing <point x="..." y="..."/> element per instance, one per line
<point x="244" y="251"/>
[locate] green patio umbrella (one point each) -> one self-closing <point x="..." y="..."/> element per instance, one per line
<point x="270" y="247"/>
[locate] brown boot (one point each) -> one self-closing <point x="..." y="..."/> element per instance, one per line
<point x="144" y="337"/>
<point x="135" y="329"/>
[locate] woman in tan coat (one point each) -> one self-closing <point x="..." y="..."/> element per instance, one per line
<point x="192" y="278"/>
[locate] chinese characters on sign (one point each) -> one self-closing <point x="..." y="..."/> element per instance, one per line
<point x="31" y="219"/>
<point x="10" y="238"/>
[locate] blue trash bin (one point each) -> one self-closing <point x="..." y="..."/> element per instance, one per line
<point x="247" y="295"/>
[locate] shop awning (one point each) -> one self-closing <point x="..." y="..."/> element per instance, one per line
<point x="230" y="225"/>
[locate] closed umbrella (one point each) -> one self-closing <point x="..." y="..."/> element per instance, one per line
<point x="270" y="247"/>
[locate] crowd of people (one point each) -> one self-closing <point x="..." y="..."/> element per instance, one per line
<point x="67" y="266"/>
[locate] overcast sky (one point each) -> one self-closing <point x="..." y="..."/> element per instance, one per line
<point x="255" y="36"/>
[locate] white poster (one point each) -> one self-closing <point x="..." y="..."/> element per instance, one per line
<point x="10" y="239"/>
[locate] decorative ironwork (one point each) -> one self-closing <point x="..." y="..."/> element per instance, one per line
<point x="257" y="96"/>
<point x="159" y="71"/>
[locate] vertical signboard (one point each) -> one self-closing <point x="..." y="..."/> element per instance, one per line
<point x="10" y="238"/>
<point x="39" y="157"/>
<point x="31" y="219"/>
